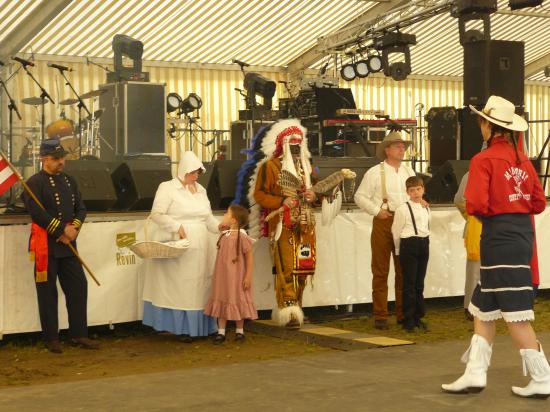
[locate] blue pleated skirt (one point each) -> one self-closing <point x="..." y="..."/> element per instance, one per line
<point x="179" y="322"/>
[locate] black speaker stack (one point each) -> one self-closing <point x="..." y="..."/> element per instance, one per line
<point x="124" y="184"/>
<point x="491" y="67"/>
<point x="443" y="185"/>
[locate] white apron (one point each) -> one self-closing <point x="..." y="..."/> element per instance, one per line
<point x="182" y="283"/>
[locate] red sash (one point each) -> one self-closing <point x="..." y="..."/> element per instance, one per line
<point x="38" y="249"/>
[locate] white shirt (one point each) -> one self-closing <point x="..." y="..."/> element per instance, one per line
<point x="369" y="194"/>
<point x="403" y="227"/>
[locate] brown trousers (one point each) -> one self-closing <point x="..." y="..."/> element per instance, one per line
<point x="382" y="248"/>
<point x="289" y="288"/>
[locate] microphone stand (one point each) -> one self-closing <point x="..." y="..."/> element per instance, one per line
<point x="12" y="107"/>
<point x="43" y="95"/>
<point x="81" y="106"/>
<point x="250" y="103"/>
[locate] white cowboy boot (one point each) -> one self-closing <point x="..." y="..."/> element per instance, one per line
<point x="477" y="359"/>
<point x="536" y="364"/>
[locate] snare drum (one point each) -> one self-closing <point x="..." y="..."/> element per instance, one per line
<point x="60" y="128"/>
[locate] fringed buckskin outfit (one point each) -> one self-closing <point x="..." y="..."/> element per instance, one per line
<point x="291" y="230"/>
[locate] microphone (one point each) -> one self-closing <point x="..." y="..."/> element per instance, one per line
<point x="1" y="63"/>
<point x="240" y="63"/>
<point x="238" y="90"/>
<point x="23" y="61"/>
<point x="58" y="67"/>
<point x="282" y="81"/>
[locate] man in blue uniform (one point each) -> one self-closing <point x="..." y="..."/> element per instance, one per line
<point x="54" y="226"/>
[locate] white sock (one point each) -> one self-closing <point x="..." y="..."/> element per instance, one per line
<point x="241" y="331"/>
<point x="221" y="332"/>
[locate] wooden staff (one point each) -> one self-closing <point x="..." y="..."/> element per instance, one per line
<point x="31" y="194"/>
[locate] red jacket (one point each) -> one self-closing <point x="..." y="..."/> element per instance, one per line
<point x="497" y="185"/>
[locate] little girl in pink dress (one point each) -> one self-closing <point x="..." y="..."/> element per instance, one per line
<point x="231" y="297"/>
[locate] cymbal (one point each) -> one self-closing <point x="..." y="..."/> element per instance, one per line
<point x="93" y="93"/>
<point x="68" y="102"/>
<point x="97" y="114"/>
<point x="33" y="101"/>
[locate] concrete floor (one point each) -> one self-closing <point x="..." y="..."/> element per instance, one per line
<point x="404" y="378"/>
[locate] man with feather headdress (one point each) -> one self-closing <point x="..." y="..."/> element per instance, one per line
<point x="280" y="198"/>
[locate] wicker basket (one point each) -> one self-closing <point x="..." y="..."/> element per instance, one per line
<point x="158" y="250"/>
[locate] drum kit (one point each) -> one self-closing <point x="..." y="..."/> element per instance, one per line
<point x="64" y="129"/>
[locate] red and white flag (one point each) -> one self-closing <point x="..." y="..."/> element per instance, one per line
<point x="7" y="176"/>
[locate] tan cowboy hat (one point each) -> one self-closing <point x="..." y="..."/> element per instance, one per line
<point x="391" y="137"/>
<point x="501" y="112"/>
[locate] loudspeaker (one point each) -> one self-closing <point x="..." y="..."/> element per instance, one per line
<point x="443" y="135"/>
<point x="136" y="181"/>
<point x="471" y="139"/>
<point x="442" y="187"/>
<point x="220" y="181"/>
<point x="133" y="119"/>
<point x="93" y="178"/>
<point x="494" y="67"/>
<point x="238" y="137"/>
<point x="325" y="166"/>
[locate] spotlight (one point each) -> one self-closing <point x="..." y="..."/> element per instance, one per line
<point x="348" y="72"/>
<point x="521" y="4"/>
<point x="255" y="83"/>
<point x="393" y="43"/>
<point x="475" y="6"/>
<point x="547" y="71"/>
<point x="126" y="46"/>
<point x="191" y="103"/>
<point x="173" y="102"/>
<point x="362" y="68"/>
<point x="375" y="63"/>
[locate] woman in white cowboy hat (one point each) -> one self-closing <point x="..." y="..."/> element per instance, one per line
<point x="503" y="190"/>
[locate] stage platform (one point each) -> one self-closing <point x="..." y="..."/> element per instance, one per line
<point x="343" y="274"/>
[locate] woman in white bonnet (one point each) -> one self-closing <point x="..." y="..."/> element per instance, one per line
<point x="176" y="290"/>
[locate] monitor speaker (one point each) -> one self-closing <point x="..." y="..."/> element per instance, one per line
<point x="220" y="181"/>
<point x="93" y="178"/>
<point x="136" y="181"/>
<point x="442" y="187"/>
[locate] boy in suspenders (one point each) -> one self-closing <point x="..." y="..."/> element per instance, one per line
<point x="411" y="235"/>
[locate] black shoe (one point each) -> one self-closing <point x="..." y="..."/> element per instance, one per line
<point x="468" y="315"/>
<point x="381" y="324"/>
<point x="85" y="343"/>
<point x="186" y="339"/>
<point x="239" y="337"/>
<point x="54" y="346"/>
<point x="420" y="324"/>
<point x="219" y="339"/>
<point x="408" y="326"/>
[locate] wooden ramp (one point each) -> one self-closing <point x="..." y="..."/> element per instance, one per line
<point x="326" y="336"/>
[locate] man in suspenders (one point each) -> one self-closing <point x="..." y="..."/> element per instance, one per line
<point x="381" y="191"/>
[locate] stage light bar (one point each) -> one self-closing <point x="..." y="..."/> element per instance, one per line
<point x="375" y="63"/>
<point x="362" y="68"/>
<point x="173" y="102"/>
<point x="191" y="103"/>
<point x="348" y="72"/>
